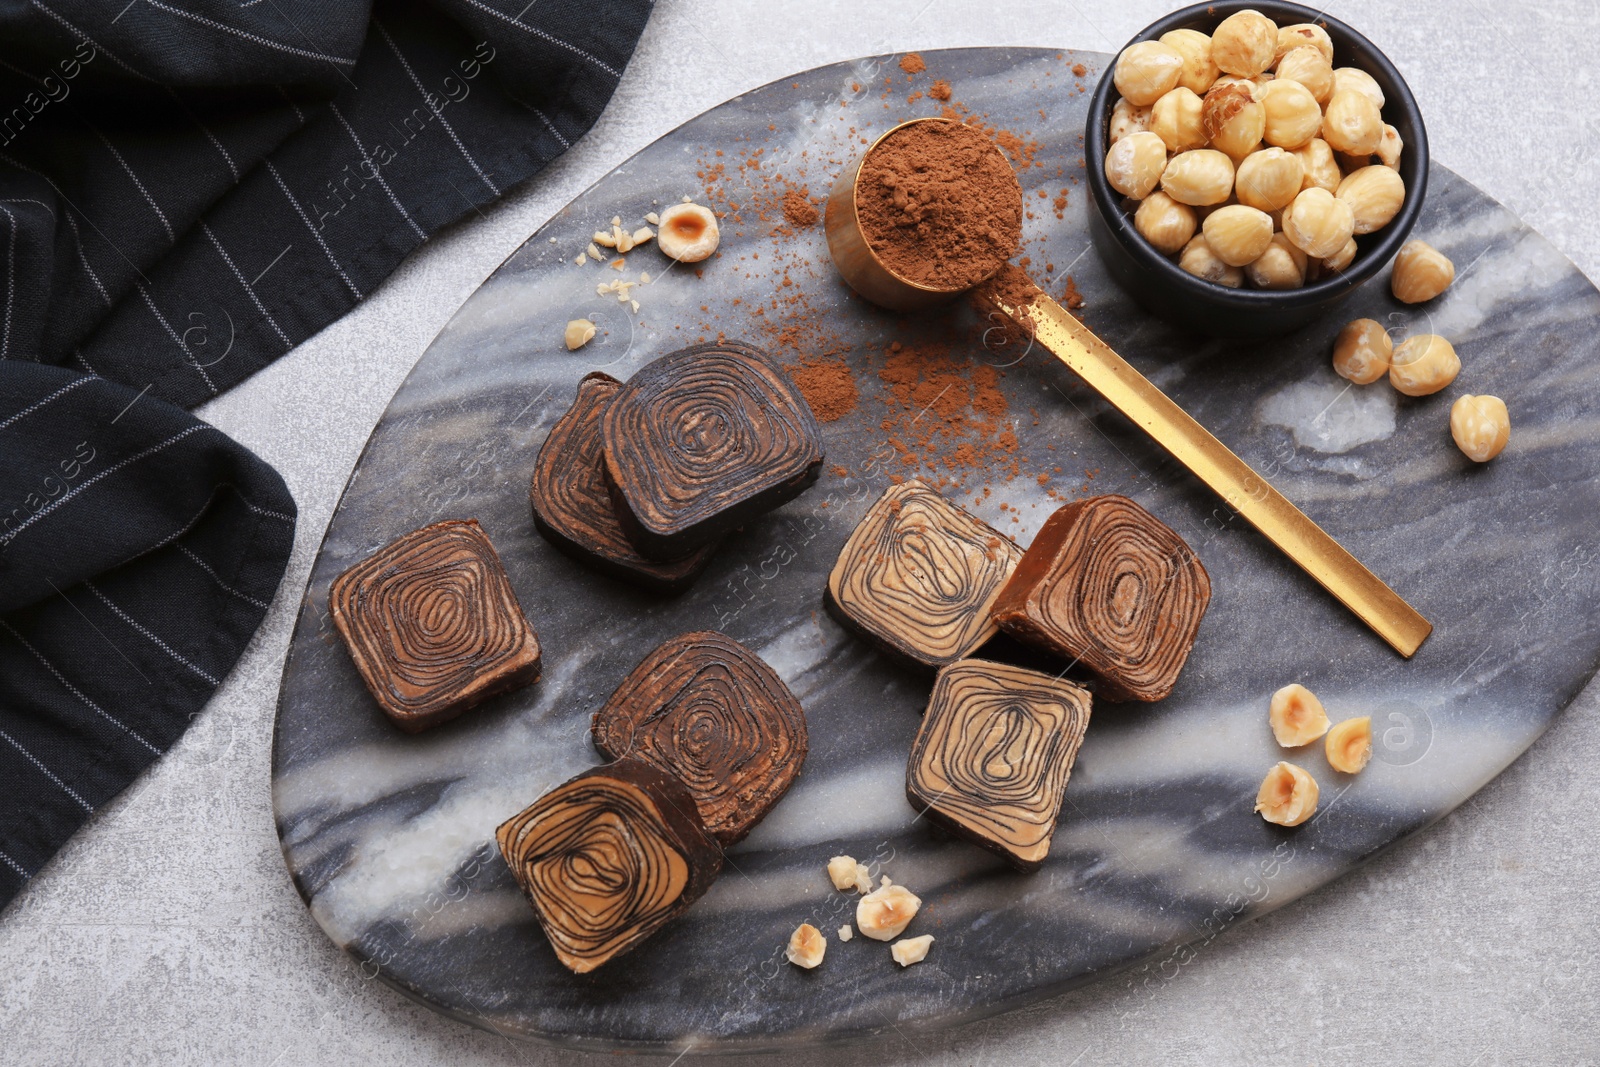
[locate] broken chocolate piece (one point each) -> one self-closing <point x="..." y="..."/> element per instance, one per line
<point x="572" y="506"/>
<point x="919" y="575"/>
<point x="703" y="440"/>
<point x="711" y="712"/>
<point x="1110" y="586"/>
<point x="433" y="625"/>
<point x="608" y="858"/>
<point x="993" y="754"/>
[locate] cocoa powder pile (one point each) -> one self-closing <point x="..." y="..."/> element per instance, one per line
<point x="940" y="205"/>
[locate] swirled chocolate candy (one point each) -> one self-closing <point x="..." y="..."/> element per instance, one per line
<point x="608" y="858"/>
<point x="1112" y="587"/>
<point x="433" y="625"/>
<point x="919" y="575"/>
<point x="572" y="507"/>
<point x="703" y="440"/>
<point x="712" y="713"/>
<point x="993" y="754"/>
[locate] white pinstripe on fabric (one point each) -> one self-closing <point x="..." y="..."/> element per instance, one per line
<point x="215" y="577"/>
<point x="77" y="239"/>
<point x="537" y="32"/>
<point x="68" y="201"/>
<point x="15" y="866"/>
<point x="162" y="215"/>
<point x="223" y="152"/>
<point x="150" y="303"/>
<point x="31" y="758"/>
<point x="301" y="115"/>
<point x="376" y="172"/>
<point x="427" y="98"/>
<point x="11" y="286"/>
<point x="75" y="691"/>
<point x="248" y="36"/>
<point x="90" y="40"/>
<point x="143" y="630"/>
<point x="298" y="210"/>
<point x="42" y="401"/>
<point x="546" y="120"/>
<point x="248" y="288"/>
<point x="264" y="512"/>
<point x="95" y="478"/>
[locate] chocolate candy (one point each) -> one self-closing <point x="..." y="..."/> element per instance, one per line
<point x="711" y="712"/>
<point x="703" y="440"/>
<point x="433" y="625"/>
<point x="993" y="754"/>
<point x="608" y="858"/>
<point x="1108" y="585"/>
<point x="572" y="506"/>
<point x="918" y="576"/>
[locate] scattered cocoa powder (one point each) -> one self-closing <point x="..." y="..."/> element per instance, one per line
<point x="912" y="63"/>
<point x="940" y="90"/>
<point x="939" y="205"/>
<point x="828" y="386"/>
<point x="798" y="208"/>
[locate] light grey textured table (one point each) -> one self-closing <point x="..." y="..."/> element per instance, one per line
<point x="168" y="932"/>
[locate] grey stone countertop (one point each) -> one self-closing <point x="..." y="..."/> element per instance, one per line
<point x="168" y="931"/>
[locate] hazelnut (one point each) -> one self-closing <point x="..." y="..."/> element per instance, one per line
<point x="1201" y="177"/>
<point x="1423" y="364"/>
<point x="1233" y="119"/>
<point x="1390" y="147"/>
<point x="1361" y="352"/>
<point x="1198" y="259"/>
<point x="1288" y="796"/>
<point x="1318" y="223"/>
<point x="806" y="946"/>
<point x="1310" y="68"/>
<point x="1375" y="195"/>
<point x="1340" y="260"/>
<point x="1303" y="35"/>
<point x="1127" y="119"/>
<point x="1296" y="715"/>
<point x="1269" y="180"/>
<point x="688" y="233"/>
<point x="1349" y="745"/>
<point x="1164" y="222"/>
<point x="1480" y="426"/>
<point x="1281" y="266"/>
<point x="1237" y="234"/>
<point x="884" y="913"/>
<point x="1176" y="119"/>
<point x="579" y="332"/>
<point x="911" y="949"/>
<point x="1135" y="163"/>
<point x="1421" y="272"/>
<point x="1359" y="80"/>
<point x="1245" y="43"/>
<point x="1321" y="169"/>
<point x="1293" y="116"/>
<point x="1195" y="47"/>
<point x="1352" y="123"/>
<point x="1146" y="71"/>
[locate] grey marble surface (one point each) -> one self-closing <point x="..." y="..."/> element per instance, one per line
<point x="1471" y="944"/>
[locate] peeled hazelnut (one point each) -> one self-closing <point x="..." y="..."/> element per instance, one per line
<point x="842" y="872"/>
<point x="1288" y="796"/>
<point x="1292" y="112"/>
<point x="1318" y="223"/>
<point x="1127" y="119"/>
<point x="1199" y="260"/>
<point x="1321" y="169"/>
<point x="1310" y="68"/>
<point x="1238" y="234"/>
<point x="1281" y="266"/>
<point x="1423" y="364"/>
<point x="1198" y="178"/>
<point x="1375" y="195"/>
<point x="1164" y="222"/>
<point x="688" y="233"/>
<point x="1245" y="43"/>
<point x="1352" y="123"/>
<point x="1349" y="745"/>
<point x="1359" y="80"/>
<point x="579" y="333"/>
<point x="1340" y="260"/>
<point x="1195" y="47"/>
<point x="884" y="913"/>
<point x="1361" y="352"/>
<point x="911" y="950"/>
<point x="1269" y="180"/>
<point x="1135" y="163"/>
<point x="806" y="946"/>
<point x="1303" y="35"/>
<point x="1296" y="715"/>
<point x="1481" y="426"/>
<point x="1421" y="272"/>
<point x="1233" y="119"/>
<point x="1176" y="119"/>
<point x="1390" y="148"/>
<point x="1146" y="71"/>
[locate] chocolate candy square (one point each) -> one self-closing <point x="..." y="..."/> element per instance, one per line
<point x="703" y="440"/>
<point x="707" y="710"/>
<point x="608" y="858"/>
<point x="572" y="506"/>
<point x="919" y="575"/>
<point x="1109" y="586"/>
<point x="993" y="755"/>
<point x="433" y="625"/>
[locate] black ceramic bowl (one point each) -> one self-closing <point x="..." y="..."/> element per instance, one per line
<point x="1161" y="286"/>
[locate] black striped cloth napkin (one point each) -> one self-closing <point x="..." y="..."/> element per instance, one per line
<point x="188" y="189"/>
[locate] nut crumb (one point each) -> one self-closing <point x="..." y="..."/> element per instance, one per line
<point x="911" y="950"/>
<point x="594" y="253"/>
<point x="845" y="933"/>
<point x="649" y="216"/>
<point x="583" y="257"/>
<point x="618" y="264"/>
<point x="579" y="332"/>
<point x="806" y="946"/>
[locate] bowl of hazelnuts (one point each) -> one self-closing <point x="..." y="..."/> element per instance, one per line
<point x="1251" y="163"/>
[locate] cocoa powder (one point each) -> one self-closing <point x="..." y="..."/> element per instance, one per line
<point x="940" y="205"/>
<point x="798" y="209"/>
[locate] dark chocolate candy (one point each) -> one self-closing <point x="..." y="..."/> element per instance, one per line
<point x="572" y="507"/>
<point x="433" y="625"/>
<point x="1110" y="586"/>
<point x="918" y="576"/>
<point x="993" y="754"/>
<point x="608" y="858"/>
<point x="702" y="440"/>
<point x="711" y="712"/>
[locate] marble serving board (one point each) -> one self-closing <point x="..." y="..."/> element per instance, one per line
<point x="388" y="836"/>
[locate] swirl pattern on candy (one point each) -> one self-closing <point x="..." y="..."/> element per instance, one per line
<point x="572" y="506"/>
<point x="1110" y="586"/>
<point x="702" y="440"/>
<point x="608" y="858"/>
<point x="433" y="624"/>
<point x="711" y="712"/>
<point x="993" y="754"/>
<point x="918" y="576"/>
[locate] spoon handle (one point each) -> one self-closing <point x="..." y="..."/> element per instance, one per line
<point x="1247" y="492"/>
